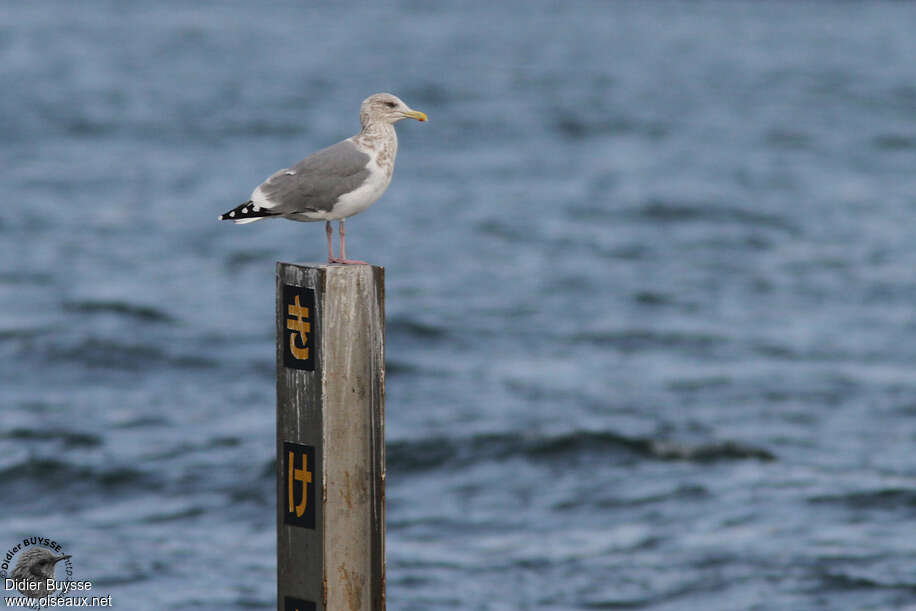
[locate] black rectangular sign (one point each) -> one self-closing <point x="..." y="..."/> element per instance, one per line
<point x="295" y="604"/>
<point x="299" y="485"/>
<point x="300" y="345"/>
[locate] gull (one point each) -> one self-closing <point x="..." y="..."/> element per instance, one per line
<point x="336" y="182"/>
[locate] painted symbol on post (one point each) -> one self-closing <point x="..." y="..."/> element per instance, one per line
<point x="299" y="467"/>
<point x="300" y="328"/>
<point x="295" y="604"/>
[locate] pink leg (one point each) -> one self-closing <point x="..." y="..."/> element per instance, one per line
<point x="343" y="248"/>
<point x="329" y="232"/>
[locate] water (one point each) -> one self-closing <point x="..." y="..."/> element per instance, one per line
<point x="650" y="296"/>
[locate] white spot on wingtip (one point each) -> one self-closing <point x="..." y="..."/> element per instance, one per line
<point x="232" y="213"/>
<point x="290" y="173"/>
<point x="244" y="210"/>
<point x="256" y="208"/>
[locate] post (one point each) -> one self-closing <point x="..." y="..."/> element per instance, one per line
<point x="330" y="437"/>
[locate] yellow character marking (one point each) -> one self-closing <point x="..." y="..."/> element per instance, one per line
<point x="298" y="322"/>
<point x="298" y="475"/>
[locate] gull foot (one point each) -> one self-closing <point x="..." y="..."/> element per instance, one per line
<point x="347" y="261"/>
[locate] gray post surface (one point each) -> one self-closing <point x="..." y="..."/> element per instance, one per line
<point x="330" y="437"/>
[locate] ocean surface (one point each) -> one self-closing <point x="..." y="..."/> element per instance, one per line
<point x="651" y="288"/>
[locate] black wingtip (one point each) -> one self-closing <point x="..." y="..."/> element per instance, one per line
<point x="246" y="211"/>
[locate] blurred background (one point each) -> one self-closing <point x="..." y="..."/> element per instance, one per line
<point x="650" y="295"/>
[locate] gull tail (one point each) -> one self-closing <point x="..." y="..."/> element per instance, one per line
<point x="246" y="213"/>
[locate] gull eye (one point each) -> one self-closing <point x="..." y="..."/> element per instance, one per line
<point x="390" y="104"/>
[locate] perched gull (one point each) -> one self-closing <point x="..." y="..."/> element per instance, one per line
<point x="336" y="182"/>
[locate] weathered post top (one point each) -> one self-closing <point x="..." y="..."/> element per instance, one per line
<point x="330" y="437"/>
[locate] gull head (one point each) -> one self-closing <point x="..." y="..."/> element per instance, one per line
<point x="386" y="108"/>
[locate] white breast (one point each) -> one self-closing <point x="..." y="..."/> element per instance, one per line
<point x="356" y="201"/>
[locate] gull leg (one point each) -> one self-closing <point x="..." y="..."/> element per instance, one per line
<point x="343" y="247"/>
<point x="329" y="231"/>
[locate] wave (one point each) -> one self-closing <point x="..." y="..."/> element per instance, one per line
<point x="659" y="211"/>
<point x="838" y="580"/>
<point x="69" y="438"/>
<point x="26" y="277"/>
<point x="121" y="308"/>
<point x="401" y="327"/>
<point x="894" y="142"/>
<point x="437" y="452"/>
<point x="633" y="340"/>
<point x="109" y="354"/>
<point x="883" y="498"/>
<point x="23" y="333"/>
<point x="59" y="475"/>
<point x="578" y="128"/>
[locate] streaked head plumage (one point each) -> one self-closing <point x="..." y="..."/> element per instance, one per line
<point x="386" y="108"/>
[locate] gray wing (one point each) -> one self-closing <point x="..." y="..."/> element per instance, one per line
<point x="316" y="182"/>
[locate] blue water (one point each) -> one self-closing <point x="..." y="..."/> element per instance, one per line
<point x="651" y="292"/>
